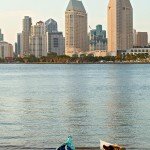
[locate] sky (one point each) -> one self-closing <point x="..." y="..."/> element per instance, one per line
<point x="13" y="11"/>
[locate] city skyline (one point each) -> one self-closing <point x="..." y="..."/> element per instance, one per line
<point x="12" y="13"/>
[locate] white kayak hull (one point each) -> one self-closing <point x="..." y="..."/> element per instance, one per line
<point x="102" y="143"/>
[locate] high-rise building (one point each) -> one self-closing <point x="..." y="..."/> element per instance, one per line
<point x="56" y="43"/>
<point x="19" y="48"/>
<point x="55" y="39"/>
<point x="97" y="39"/>
<point x="76" y="39"/>
<point x="142" y="39"/>
<point x="6" y="50"/>
<point x="38" y="40"/>
<point x="120" y="26"/>
<point x="1" y="36"/>
<point x="27" y="22"/>
<point x="51" y="26"/>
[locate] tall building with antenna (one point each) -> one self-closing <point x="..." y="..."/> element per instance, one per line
<point x="120" y="26"/>
<point x="76" y="38"/>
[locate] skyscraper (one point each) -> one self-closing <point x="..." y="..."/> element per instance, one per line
<point x="38" y="40"/>
<point x="1" y="36"/>
<point x="55" y="39"/>
<point x="27" y="22"/>
<point x="120" y="26"/>
<point x="51" y="26"/>
<point x="76" y="39"/>
<point x="56" y="43"/>
<point x="97" y="39"/>
<point x="19" y="48"/>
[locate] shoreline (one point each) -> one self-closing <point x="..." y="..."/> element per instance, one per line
<point x="77" y="148"/>
<point x="80" y="63"/>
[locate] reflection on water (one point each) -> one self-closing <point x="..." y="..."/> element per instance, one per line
<point x="121" y="109"/>
<point x="40" y="105"/>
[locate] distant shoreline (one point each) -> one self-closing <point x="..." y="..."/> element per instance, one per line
<point x="81" y="63"/>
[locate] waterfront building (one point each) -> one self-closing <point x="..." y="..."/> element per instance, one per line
<point x="97" y="39"/>
<point x="76" y="38"/>
<point x="38" y="40"/>
<point x="6" y="50"/>
<point x="97" y="53"/>
<point x="27" y="22"/>
<point x="138" y="51"/>
<point x="120" y="26"/>
<point x="142" y="39"/>
<point x="19" y="48"/>
<point x="1" y="36"/>
<point x="56" y="43"/>
<point x="51" y="26"/>
<point x="55" y="39"/>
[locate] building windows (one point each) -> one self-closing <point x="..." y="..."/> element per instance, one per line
<point x="55" y="42"/>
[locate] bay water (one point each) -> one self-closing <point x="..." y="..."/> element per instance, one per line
<point x="41" y="105"/>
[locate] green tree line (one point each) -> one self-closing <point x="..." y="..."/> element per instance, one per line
<point x="54" y="58"/>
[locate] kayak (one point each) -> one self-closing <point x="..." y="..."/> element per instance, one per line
<point x="108" y="146"/>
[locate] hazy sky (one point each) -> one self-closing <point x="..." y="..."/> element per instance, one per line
<point x="13" y="11"/>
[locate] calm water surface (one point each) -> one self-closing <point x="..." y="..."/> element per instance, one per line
<point x="40" y="105"/>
